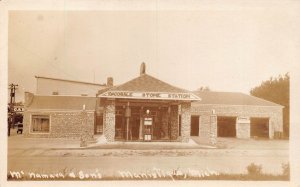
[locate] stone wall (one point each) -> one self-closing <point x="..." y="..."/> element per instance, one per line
<point x="185" y="121"/>
<point x="62" y="124"/>
<point x="204" y="127"/>
<point x="109" y="120"/>
<point x="272" y="112"/>
<point x="174" y="122"/>
<point x="213" y="129"/>
<point x="243" y="130"/>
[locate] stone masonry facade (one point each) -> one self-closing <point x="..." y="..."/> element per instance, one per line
<point x="185" y="121"/>
<point x="174" y="122"/>
<point x="109" y="120"/>
<point x="213" y="129"/>
<point x="243" y="129"/>
<point x="274" y="114"/>
<point x="62" y="124"/>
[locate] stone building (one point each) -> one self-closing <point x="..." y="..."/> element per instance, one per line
<point x="148" y="109"/>
<point x="238" y="115"/>
<point x="58" y="116"/>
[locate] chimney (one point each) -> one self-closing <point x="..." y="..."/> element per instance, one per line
<point x="143" y="69"/>
<point x="110" y="82"/>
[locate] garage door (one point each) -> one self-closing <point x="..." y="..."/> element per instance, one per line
<point x="259" y="127"/>
<point x="226" y="126"/>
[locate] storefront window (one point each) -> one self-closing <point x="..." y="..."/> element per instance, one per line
<point x="40" y="123"/>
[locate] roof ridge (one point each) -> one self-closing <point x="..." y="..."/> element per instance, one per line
<point x="167" y="83"/>
<point x="116" y="87"/>
<point x="151" y="77"/>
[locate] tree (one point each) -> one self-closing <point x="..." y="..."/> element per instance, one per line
<point x="277" y="90"/>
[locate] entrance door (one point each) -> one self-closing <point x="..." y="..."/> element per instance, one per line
<point x="135" y="127"/>
<point x="119" y="127"/>
<point x="194" y="125"/>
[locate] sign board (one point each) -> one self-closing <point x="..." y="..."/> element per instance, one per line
<point x="150" y="95"/>
<point x="243" y="120"/>
<point x="18" y="109"/>
<point x="147" y="121"/>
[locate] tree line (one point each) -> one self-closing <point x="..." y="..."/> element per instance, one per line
<point x="277" y="90"/>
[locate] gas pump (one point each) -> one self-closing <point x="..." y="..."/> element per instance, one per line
<point x="148" y="127"/>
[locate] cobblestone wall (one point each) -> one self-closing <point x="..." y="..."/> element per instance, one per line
<point x="273" y="113"/>
<point x="185" y="121"/>
<point x="174" y="122"/>
<point x="204" y="127"/>
<point x="62" y="124"/>
<point x="109" y="120"/>
<point x="243" y="130"/>
<point x="213" y="130"/>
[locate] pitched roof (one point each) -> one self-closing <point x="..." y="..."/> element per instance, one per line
<point x="147" y="83"/>
<point x="63" y="102"/>
<point x="231" y="98"/>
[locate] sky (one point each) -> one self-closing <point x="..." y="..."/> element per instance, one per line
<point x="230" y="50"/>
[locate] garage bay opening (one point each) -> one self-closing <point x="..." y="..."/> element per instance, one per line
<point x="259" y="127"/>
<point x="226" y="126"/>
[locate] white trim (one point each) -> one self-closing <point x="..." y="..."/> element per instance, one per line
<point x="193" y="97"/>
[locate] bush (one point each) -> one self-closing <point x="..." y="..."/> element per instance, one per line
<point x="254" y="169"/>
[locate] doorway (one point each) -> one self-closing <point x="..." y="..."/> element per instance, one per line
<point x="226" y="126"/>
<point x="194" y="125"/>
<point x="259" y="127"/>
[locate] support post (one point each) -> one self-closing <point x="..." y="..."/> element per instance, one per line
<point x="127" y="115"/>
<point x="185" y="121"/>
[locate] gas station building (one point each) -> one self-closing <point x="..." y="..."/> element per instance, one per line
<point x="148" y="109"/>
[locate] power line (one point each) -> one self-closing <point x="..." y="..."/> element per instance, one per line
<point x="11" y="119"/>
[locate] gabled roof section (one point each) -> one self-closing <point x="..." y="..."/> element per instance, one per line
<point x="147" y="83"/>
<point x="42" y="102"/>
<point x="142" y="86"/>
<point x="231" y="98"/>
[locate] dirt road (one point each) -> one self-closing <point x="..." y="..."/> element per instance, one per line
<point x="52" y="156"/>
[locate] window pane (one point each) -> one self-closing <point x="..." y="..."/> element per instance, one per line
<point x="40" y="123"/>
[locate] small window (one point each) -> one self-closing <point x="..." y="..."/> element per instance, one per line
<point x="40" y="123"/>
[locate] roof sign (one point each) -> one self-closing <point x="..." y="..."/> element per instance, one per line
<point x="149" y="95"/>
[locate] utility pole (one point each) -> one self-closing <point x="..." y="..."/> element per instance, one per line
<point x="11" y="120"/>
